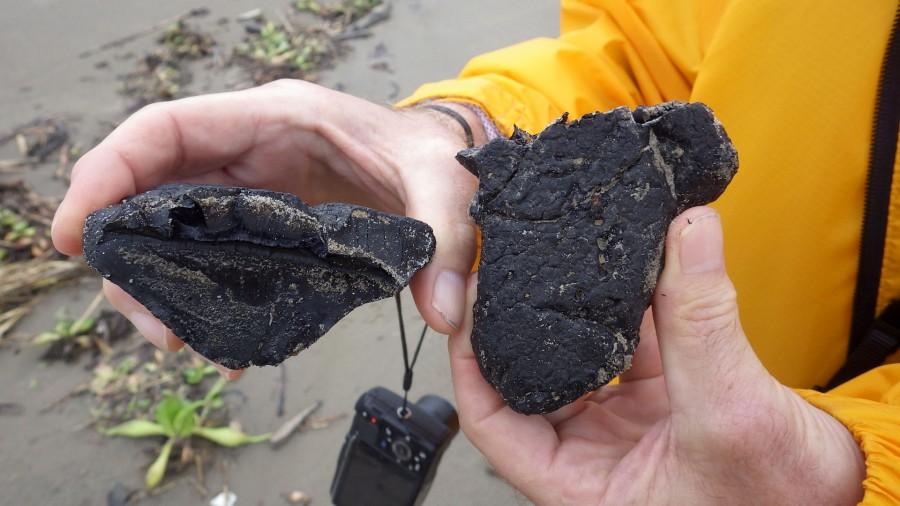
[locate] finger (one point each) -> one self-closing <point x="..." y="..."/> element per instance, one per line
<point x="705" y="354"/>
<point x="646" y="362"/>
<point x="146" y="324"/>
<point x="229" y="374"/>
<point x="151" y="147"/>
<point x="518" y="446"/>
<point x="441" y="198"/>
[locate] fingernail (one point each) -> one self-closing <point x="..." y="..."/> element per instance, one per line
<point x="701" y="245"/>
<point x="448" y="297"/>
<point x="151" y="328"/>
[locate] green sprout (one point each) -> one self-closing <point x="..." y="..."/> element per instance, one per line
<point x="183" y="41"/>
<point x="66" y="328"/>
<point x="352" y="9"/>
<point x="196" y="373"/>
<point x="361" y="6"/>
<point x="179" y="419"/>
<point x="308" y="6"/>
<point x="13" y="227"/>
<point x="275" y="46"/>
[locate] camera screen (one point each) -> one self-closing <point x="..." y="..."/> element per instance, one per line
<point x="373" y="480"/>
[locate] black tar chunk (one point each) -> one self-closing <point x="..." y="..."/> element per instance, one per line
<point x="250" y="277"/>
<point x="573" y="222"/>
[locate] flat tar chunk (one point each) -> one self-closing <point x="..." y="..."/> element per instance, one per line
<point x="250" y="277"/>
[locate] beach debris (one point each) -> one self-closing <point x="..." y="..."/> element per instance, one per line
<point x="69" y="338"/>
<point x="288" y="428"/>
<point x="10" y="317"/>
<point x="298" y="497"/>
<point x="214" y="263"/>
<point x="322" y="423"/>
<point x="35" y="141"/>
<point x="226" y="498"/>
<point x="297" y="48"/>
<point x="274" y="51"/>
<point x="29" y="265"/>
<point x="25" y="219"/>
<point x="121" y="41"/>
<point x="162" y="74"/>
<point x="573" y="222"/>
<point x="23" y="281"/>
<point x="11" y="409"/>
<point x="250" y="15"/>
<point x="183" y="41"/>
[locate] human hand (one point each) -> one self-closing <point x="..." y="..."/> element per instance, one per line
<point x="296" y="137"/>
<point x="696" y="420"/>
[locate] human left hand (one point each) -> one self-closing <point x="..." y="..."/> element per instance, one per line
<point x="696" y="420"/>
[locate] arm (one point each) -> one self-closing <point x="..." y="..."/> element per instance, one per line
<point x="618" y="53"/>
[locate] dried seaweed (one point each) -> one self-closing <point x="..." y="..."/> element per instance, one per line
<point x="161" y="74"/>
<point x="36" y="141"/>
<point x="25" y="219"/>
<point x="292" y="48"/>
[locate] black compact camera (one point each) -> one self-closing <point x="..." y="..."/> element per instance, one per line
<point x="391" y="453"/>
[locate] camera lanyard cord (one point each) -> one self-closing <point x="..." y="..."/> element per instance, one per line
<point x="407" y="366"/>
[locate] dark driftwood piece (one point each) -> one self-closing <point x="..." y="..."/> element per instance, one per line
<point x="250" y="277"/>
<point x="573" y="222"/>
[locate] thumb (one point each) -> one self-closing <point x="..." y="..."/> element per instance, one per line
<point x="440" y="197"/>
<point x="704" y="351"/>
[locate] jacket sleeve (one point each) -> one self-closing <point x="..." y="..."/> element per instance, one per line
<point x="869" y="406"/>
<point x="610" y="53"/>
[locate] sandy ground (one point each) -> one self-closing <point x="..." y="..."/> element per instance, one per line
<point x="50" y="458"/>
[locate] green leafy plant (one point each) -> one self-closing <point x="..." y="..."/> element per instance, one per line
<point x="274" y="46"/>
<point x="13" y="227"/>
<point x="361" y="6"/>
<point x="308" y="6"/>
<point x="197" y="372"/>
<point x="351" y="9"/>
<point x="183" y="41"/>
<point x="66" y="328"/>
<point x="178" y="419"/>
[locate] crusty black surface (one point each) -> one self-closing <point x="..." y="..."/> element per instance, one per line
<point x="573" y="222"/>
<point x="251" y="276"/>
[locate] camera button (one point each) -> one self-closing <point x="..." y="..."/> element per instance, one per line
<point x="422" y="455"/>
<point x="401" y="451"/>
<point x="387" y="430"/>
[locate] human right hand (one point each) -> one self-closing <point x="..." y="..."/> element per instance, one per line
<point x="696" y="420"/>
<point x="295" y="137"/>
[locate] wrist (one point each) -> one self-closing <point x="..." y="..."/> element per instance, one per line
<point x="456" y="118"/>
<point x="849" y="469"/>
<point x="835" y="463"/>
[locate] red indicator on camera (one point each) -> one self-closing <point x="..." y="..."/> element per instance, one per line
<point x="373" y="420"/>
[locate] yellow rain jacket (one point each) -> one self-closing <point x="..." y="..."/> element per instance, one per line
<point x="795" y="84"/>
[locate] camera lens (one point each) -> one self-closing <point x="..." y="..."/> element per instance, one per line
<point x="440" y="409"/>
<point x="401" y="450"/>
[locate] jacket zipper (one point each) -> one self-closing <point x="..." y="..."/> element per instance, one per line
<point x="878" y="190"/>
